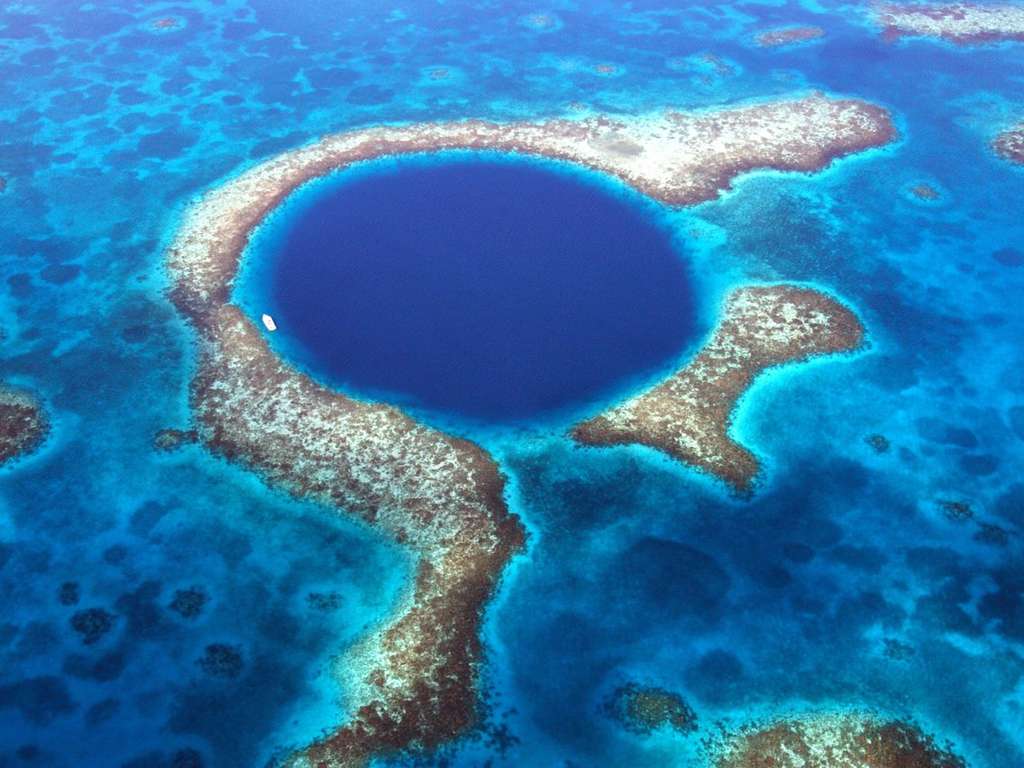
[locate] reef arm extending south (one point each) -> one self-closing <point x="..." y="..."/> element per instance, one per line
<point x="413" y="682"/>
<point x="439" y="496"/>
<point x="688" y="415"/>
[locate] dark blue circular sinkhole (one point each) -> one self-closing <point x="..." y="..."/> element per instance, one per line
<point x="478" y="286"/>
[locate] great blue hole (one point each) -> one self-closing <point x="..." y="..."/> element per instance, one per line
<point x="481" y="287"/>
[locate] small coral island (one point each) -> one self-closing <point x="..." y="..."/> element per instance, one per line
<point x="960" y="23"/>
<point x="834" y="741"/>
<point x="688" y="415"/>
<point x="23" y="423"/>
<point x="1010" y="144"/>
<point x="412" y="682"/>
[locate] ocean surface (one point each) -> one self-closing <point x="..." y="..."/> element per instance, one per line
<point x="211" y="608"/>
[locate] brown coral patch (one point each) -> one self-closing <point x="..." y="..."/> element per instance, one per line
<point x="837" y="741"/>
<point x="1010" y="144"/>
<point x="23" y="423"/>
<point x="718" y="64"/>
<point x="645" y="709"/>
<point x="688" y="415"/>
<point x="774" y="38"/>
<point x="166" y="23"/>
<point x="171" y="439"/>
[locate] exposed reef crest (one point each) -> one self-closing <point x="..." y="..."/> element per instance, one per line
<point x="441" y="497"/>
<point x="675" y="157"/>
<point x="960" y="23"/>
<point x="688" y="415"/>
<point x="843" y="740"/>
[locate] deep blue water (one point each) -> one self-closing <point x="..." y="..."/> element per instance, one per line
<point x="490" y="289"/>
<point x="636" y="569"/>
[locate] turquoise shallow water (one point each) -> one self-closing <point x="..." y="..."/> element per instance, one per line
<point x="637" y="569"/>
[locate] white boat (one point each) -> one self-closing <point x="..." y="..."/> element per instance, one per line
<point x="268" y="322"/>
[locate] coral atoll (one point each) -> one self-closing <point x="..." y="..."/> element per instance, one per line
<point x="441" y="497"/>
<point x="688" y="415"/>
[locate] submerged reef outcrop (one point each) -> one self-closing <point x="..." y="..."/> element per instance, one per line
<point x="165" y="23"/>
<point x="688" y="415"/>
<point x="1010" y="144"/>
<point x="189" y="602"/>
<point x="773" y="38"/>
<point x="413" y="681"/>
<point x="92" y="624"/>
<point x="924" y="191"/>
<point x="171" y="439"/>
<point x="960" y="23"/>
<point x="23" y="423"/>
<point x="642" y="709"/>
<point x="833" y="741"/>
<point x="878" y="442"/>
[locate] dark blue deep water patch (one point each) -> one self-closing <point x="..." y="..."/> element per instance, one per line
<point x="494" y="289"/>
